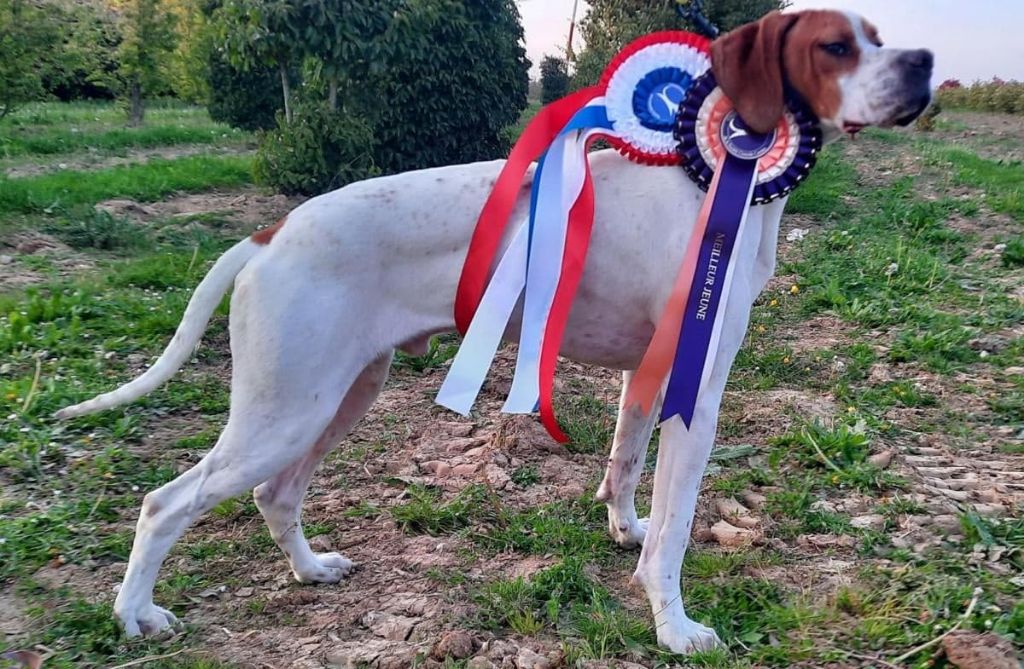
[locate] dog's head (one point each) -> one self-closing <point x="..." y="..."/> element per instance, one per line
<point x="834" y="60"/>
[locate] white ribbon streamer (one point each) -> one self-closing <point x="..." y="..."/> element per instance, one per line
<point x="561" y="184"/>
<point x="469" y="369"/>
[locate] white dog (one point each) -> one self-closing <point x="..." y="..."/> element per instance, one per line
<point x="322" y="300"/>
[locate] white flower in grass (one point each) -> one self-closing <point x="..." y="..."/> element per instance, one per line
<point x="892" y="269"/>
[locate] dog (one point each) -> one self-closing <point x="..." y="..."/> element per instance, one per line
<point x="323" y="298"/>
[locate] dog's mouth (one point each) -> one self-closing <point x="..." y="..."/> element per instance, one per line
<point x="917" y="108"/>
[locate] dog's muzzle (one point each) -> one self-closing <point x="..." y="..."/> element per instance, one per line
<point x="917" y="67"/>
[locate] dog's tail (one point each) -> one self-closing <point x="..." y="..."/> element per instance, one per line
<point x="193" y="324"/>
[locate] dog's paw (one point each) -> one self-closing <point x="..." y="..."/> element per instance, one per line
<point x="628" y="533"/>
<point x="149" y="621"/>
<point x="325" y="568"/>
<point x="687" y="636"/>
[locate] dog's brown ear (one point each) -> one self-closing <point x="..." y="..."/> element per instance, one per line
<point x="747" y="63"/>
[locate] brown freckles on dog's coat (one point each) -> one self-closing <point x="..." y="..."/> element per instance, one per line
<point x="754" y="63"/>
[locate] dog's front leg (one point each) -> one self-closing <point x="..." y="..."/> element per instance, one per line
<point x="625" y="464"/>
<point x="682" y="457"/>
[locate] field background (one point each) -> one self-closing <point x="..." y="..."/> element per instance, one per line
<point x="871" y="440"/>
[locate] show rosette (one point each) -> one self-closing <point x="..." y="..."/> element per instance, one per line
<point x="657" y="104"/>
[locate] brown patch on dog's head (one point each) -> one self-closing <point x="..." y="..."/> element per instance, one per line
<point x="807" y="50"/>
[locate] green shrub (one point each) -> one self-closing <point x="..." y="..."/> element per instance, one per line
<point x="246" y="100"/>
<point x="997" y="95"/>
<point x="454" y="77"/>
<point x="554" y="79"/>
<point x="318" y="151"/>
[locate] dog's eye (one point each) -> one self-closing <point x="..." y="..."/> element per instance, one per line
<point x="838" y="49"/>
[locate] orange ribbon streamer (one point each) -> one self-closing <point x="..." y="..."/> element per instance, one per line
<point x="661" y="352"/>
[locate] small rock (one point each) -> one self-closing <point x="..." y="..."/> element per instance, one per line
<point x="871" y="521"/>
<point x="480" y="662"/>
<point x="823" y="505"/>
<point x="6" y="260"/>
<point x="796" y="234"/>
<point x="475" y="453"/>
<point x="496" y="476"/>
<point x="26" y="659"/>
<point x="245" y="592"/>
<point x="970" y="650"/>
<point x="437" y="468"/>
<point x="456" y="644"/>
<point x="754" y="500"/>
<point x="881" y="460"/>
<point x="498" y="649"/>
<point x="465" y="470"/>
<point x="528" y="659"/>
<point x="389" y="626"/>
<point x="822" y="541"/>
<point x="321" y="544"/>
<point x="729" y="509"/>
<point x="463" y="444"/>
<point x="730" y="536"/>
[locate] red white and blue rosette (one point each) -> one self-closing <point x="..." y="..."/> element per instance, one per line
<point x="644" y="87"/>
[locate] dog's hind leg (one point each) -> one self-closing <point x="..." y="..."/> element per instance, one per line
<point x="280" y="498"/>
<point x="291" y="373"/>
<point x="625" y="464"/>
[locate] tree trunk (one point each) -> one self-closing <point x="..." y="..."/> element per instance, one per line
<point x="287" y="91"/>
<point x="137" y="109"/>
<point x="332" y="93"/>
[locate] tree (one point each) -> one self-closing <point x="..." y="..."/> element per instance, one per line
<point x="147" y="37"/>
<point x="26" y="36"/>
<point x="83" y="60"/>
<point x="257" y="33"/>
<point x="554" y="79"/>
<point x="454" y="75"/>
<point x="418" y="83"/>
<point x="611" y="24"/>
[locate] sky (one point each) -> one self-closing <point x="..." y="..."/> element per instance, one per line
<point x="972" y="39"/>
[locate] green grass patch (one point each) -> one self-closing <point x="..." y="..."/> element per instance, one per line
<point x="824" y="193"/>
<point x="51" y="141"/>
<point x="424" y="513"/>
<point x="152" y="181"/>
<point x="1013" y="254"/>
<point x="1001" y="180"/>
<point x="588" y="421"/>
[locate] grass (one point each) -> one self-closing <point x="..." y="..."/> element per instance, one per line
<point x="146" y="183"/>
<point x="53" y="141"/>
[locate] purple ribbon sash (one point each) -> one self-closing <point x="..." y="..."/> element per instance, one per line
<point x="728" y="213"/>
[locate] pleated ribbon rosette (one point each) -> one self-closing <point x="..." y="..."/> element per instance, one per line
<point x="637" y="107"/>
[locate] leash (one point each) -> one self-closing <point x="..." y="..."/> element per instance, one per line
<point x="693" y="12"/>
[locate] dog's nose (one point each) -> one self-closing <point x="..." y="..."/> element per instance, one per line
<point x="920" y="59"/>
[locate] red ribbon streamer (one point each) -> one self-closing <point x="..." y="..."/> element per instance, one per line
<point x="577" y="243"/>
<point x="490" y="228"/>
